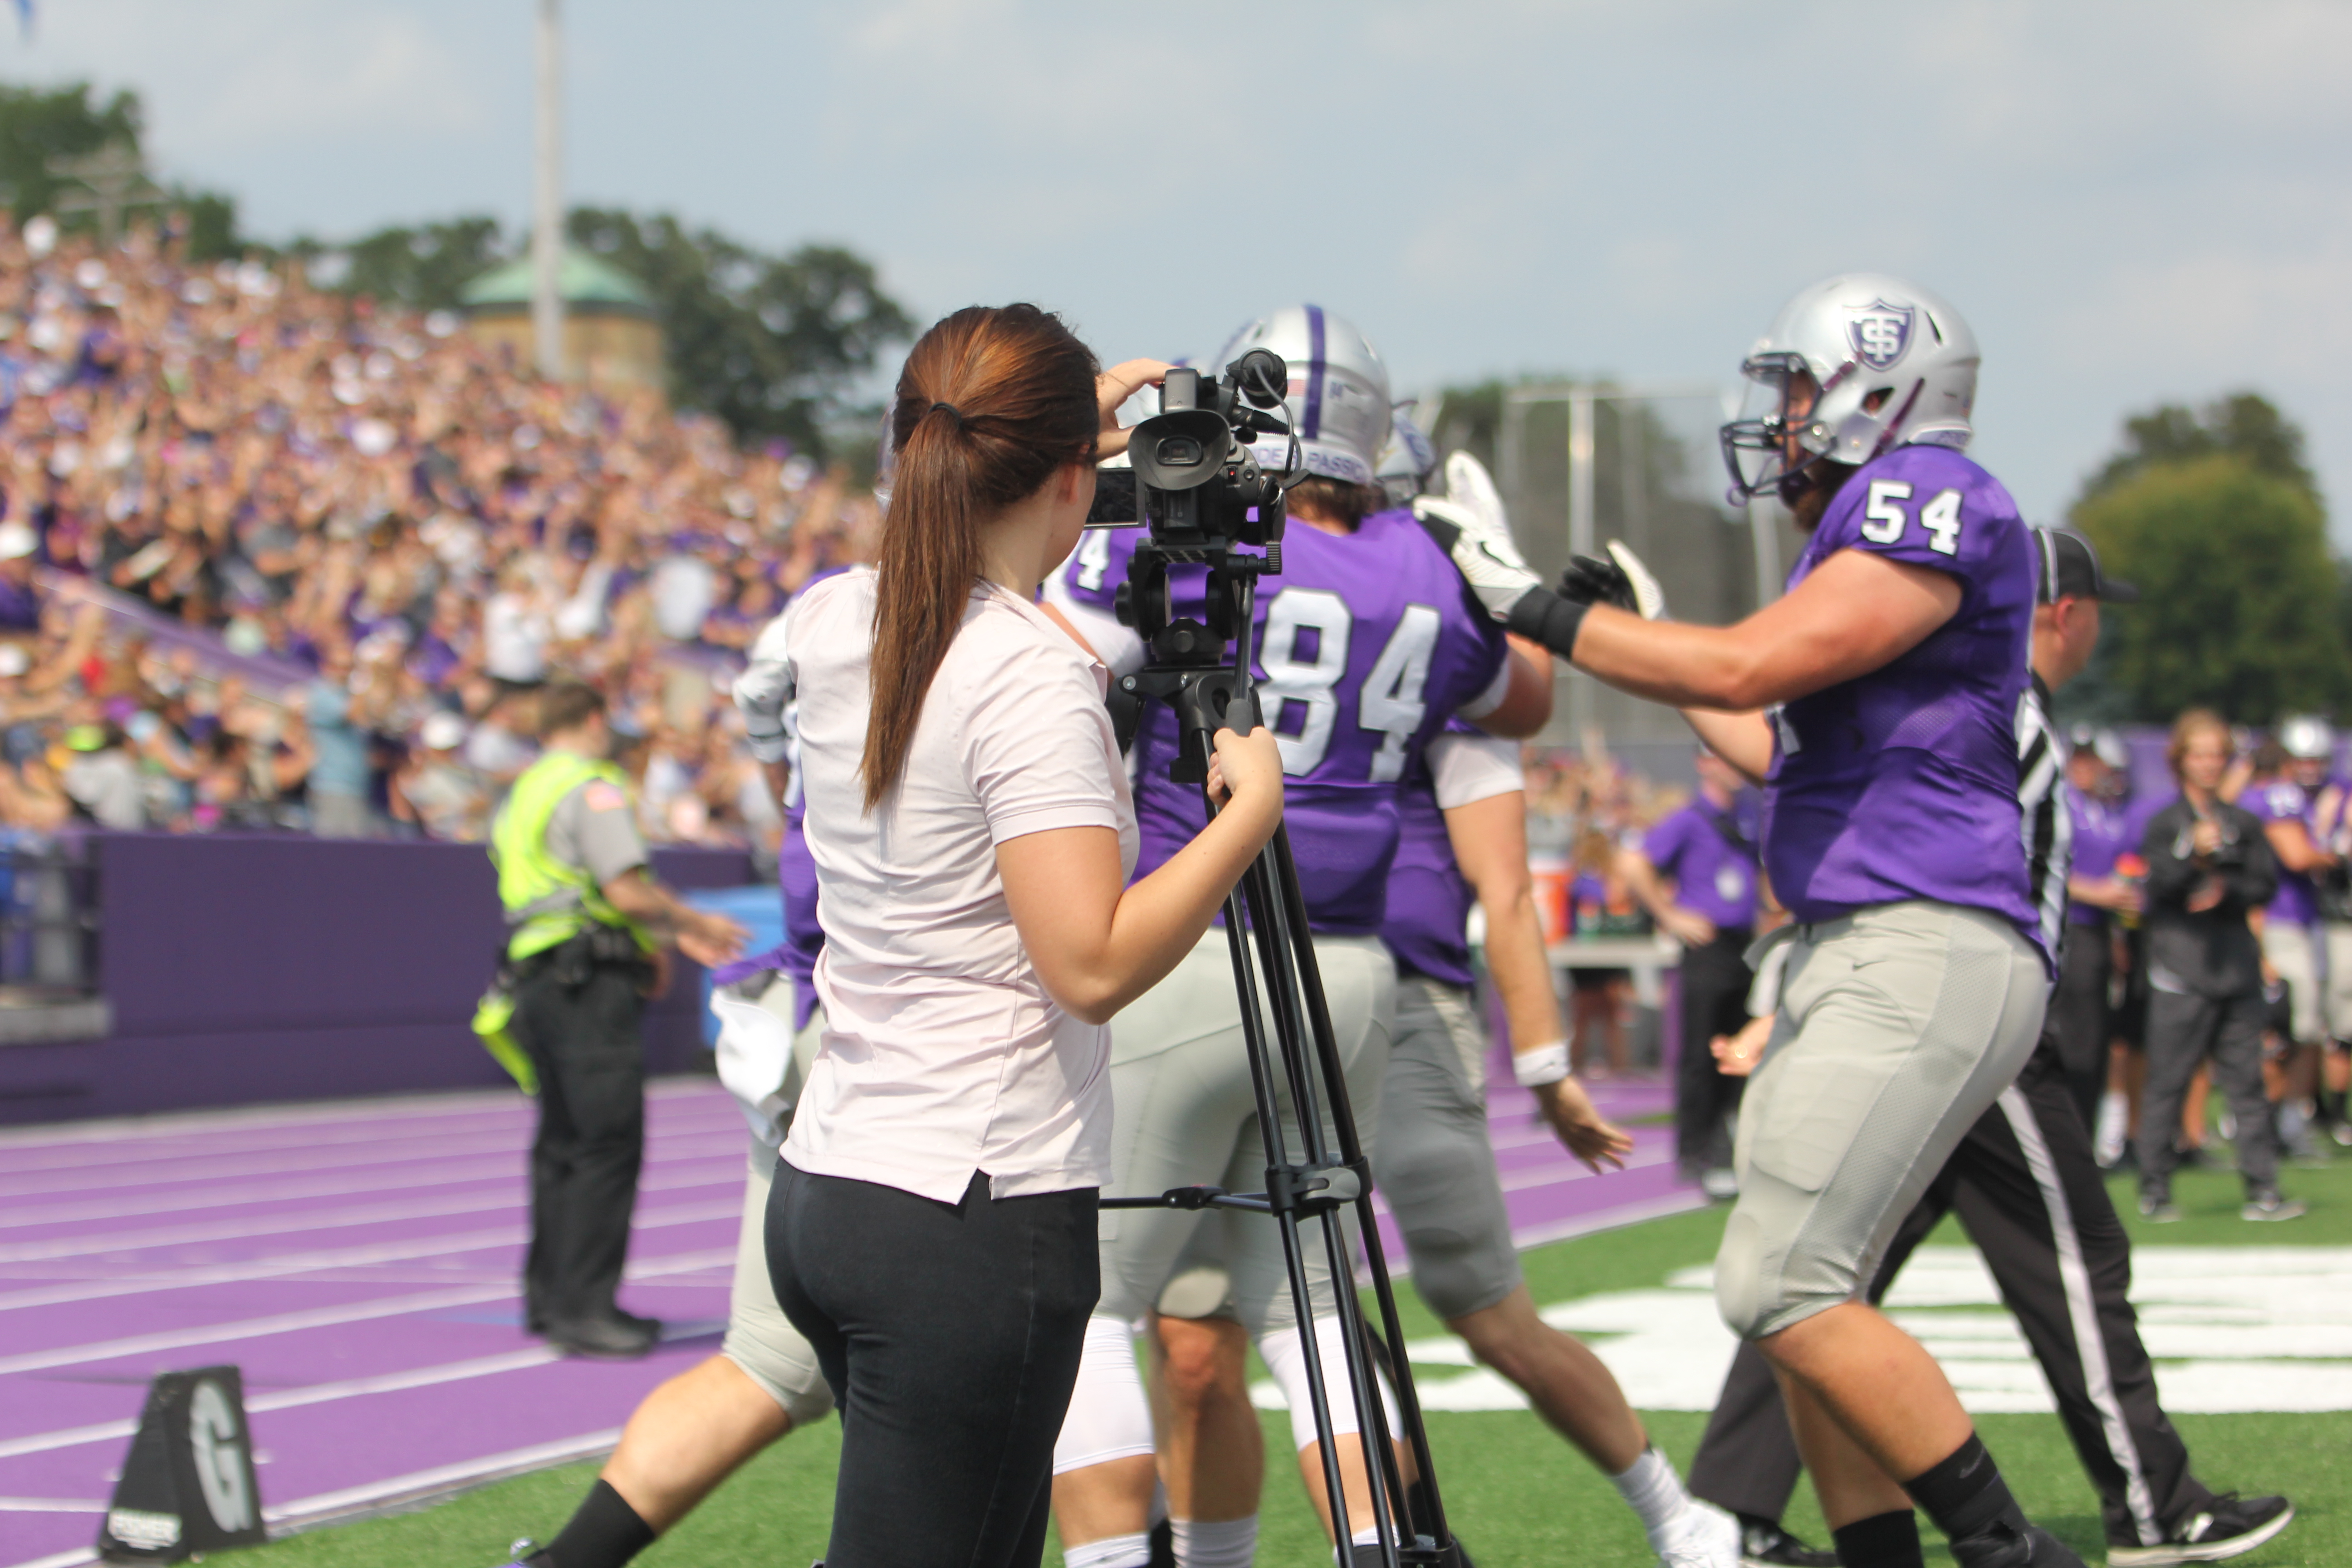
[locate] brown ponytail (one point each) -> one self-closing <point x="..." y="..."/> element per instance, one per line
<point x="993" y="401"/>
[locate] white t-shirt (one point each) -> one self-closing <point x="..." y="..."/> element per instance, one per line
<point x="943" y="1052"/>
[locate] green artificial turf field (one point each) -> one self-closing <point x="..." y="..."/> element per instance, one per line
<point x="1517" y="1493"/>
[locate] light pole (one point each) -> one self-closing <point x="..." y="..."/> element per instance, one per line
<point x="547" y="201"/>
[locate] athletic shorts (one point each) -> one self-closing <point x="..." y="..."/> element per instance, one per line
<point x="1437" y="1165"/>
<point x="2336" y="1011"/>
<point x="760" y="1339"/>
<point x="1899" y="1026"/>
<point x="2293" y="951"/>
<point x="1185" y="1116"/>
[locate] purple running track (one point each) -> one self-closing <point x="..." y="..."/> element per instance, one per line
<point x="359" y="1261"/>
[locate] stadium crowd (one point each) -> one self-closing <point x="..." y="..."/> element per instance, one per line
<point x="388" y="539"/>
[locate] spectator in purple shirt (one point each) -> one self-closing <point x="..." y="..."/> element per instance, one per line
<point x="1697" y="873"/>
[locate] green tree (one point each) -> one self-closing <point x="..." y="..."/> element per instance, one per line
<point x="772" y="345"/>
<point x="424" y="266"/>
<point x="2245" y="425"/>
<point x="41" y="128"/>
<point x="2240" y="606"/>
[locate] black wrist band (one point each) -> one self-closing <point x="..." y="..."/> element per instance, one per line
<point x="1545" y="617"/>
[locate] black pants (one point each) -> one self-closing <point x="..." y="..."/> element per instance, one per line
<point x="2182" y="1031"/>
<point x="580" y="1022"/>
<point x="1714" y="980"/>
<point x="2025" y="1184"/>
<point x="2079" y="1010"/>
<point x="949" y="1334"/>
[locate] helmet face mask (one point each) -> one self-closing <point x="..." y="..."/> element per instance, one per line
<point x="1852" y="368"/>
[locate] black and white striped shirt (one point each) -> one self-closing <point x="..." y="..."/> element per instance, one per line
<point x="2043" y="821"/>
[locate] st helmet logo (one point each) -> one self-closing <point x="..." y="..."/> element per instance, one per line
<point x="1880" y="331"/>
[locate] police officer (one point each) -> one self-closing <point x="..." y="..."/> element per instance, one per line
<point x="586" y="949"/>
<point x="1708" y="848"/>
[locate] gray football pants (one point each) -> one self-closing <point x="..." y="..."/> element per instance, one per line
<point x="1437" y="1165"/>
<point x="1185" y="1116"/>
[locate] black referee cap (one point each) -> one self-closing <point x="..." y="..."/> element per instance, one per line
<point x="2070" y="569"/>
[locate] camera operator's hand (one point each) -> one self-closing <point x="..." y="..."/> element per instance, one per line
<point x="1245" y="776"/>
<point x="1114" y="387"/>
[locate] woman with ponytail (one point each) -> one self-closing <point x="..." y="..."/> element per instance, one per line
<point x="931" y="1227"/>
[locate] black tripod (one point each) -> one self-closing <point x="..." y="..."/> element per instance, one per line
<point x="1188" y="672"/>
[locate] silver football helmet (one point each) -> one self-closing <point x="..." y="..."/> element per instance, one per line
<point x="1338" y="402"/>
<point x="1407" y="461"/>
<point x="2307" y="739"/>
<point x="1852" y="368"/>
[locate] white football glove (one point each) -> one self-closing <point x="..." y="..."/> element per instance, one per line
<point x="1468" y="523"/>
<point x="1649" y="599"/>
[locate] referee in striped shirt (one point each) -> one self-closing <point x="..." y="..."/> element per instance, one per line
<point x="2026" y="1185"/>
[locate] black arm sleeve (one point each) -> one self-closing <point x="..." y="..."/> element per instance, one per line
<point x="1545" y="617"/>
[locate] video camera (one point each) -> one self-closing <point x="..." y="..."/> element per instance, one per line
<point x="1193" y="482"/>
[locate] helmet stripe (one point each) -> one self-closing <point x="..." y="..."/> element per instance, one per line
<point x="1310" y="423"/>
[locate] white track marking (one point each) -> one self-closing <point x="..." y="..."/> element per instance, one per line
<point x="287" y="1263"/>
<point x="297" y="1398"/>
<point x="320" y="1317"/>
<point x="318" y="1116"/>
<point x="438" y="1173"/>
<point x="300" y="1221"/>
<point x="180" y="1169"/>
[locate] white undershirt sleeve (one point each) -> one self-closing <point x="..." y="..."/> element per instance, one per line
<point x="1464" y="769"/>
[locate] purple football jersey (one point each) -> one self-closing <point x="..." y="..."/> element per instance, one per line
<point x="1901" y="784"/>
<point x="1427" y="926"/>
<point x="2283" y="800"/>
<point x="1711" y="856"/>
<point x="1365" y="645"/>
<point x="2102" y="832"/>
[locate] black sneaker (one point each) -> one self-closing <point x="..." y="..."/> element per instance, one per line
<point x="1764" y="1544"/>
<point x="2226" y="1526"/>
<point x="2002" y="1546"/>
<point x="600" y="1339"/>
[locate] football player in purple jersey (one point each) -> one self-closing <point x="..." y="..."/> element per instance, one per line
<point x="1877" y="701"/>
<point x="2285" y="800"/>
<point x="1365" y="645"/>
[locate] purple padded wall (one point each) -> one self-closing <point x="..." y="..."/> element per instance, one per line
<point x="248" y="969"/>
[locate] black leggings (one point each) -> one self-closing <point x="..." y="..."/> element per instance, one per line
<point x="949" y="1334"/>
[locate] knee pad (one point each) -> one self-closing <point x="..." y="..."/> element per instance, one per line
<point x="1284" y="1353"/>
<point x="1738" y="1275"/>
<point x="1761" y="1291"/>
<point x="1108" y="1418"/>
<point x="789" y="1377"/>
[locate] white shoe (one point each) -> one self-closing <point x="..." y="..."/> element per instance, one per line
<point x="1703" y="1537"/>
<point x="2115" y="1119"/>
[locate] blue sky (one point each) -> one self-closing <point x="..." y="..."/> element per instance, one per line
<point x="2131" y="203"/>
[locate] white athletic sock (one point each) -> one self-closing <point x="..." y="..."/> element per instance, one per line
<point x="1213" y="1542"/>
<point x="1284" y="1353"/>
<point x="1114" y="1552"/>
<point x="1109" y="1418"/>
<point x="1656" y="1494"/>
<point x="2114" y="1120"/>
